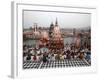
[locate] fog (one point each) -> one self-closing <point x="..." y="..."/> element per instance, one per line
<point x="65" y="20"/>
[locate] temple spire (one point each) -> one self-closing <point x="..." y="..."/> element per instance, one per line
<point x="52" y="24"/>
<point x="56" y="23"/>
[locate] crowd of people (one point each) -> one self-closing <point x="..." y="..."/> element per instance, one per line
<point x="44" y="54"/>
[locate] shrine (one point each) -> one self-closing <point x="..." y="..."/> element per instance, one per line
<point x="55" y="38"/>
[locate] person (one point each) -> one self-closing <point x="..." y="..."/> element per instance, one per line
<point x="57" y="56"/>
<point x="38" y="51"/>
<point x="34" y="57"/>
<point x="68" y="54"/>
<point x="88" y="56"/>
<point x="45" y="58"/>
<point x="32" y="52"/>
<point x="49" y="57"/>
<point x="81" y="56"/>
<point x="62" y="57"/>
<point x="28" y="57"/>
<point x="37" y="57"/>
<point x="72" y="54"/>
<point x="52" y="57"/>
<point x="24" y="58"/>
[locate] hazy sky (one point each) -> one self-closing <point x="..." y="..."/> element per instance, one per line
<point x="68" y="20"/>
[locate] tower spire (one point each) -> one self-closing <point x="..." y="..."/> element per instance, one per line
<point x="52" y="25"/>
<point x="56" y="23"/>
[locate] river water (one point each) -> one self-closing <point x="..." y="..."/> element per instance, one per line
<point x="68" y="40"/>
